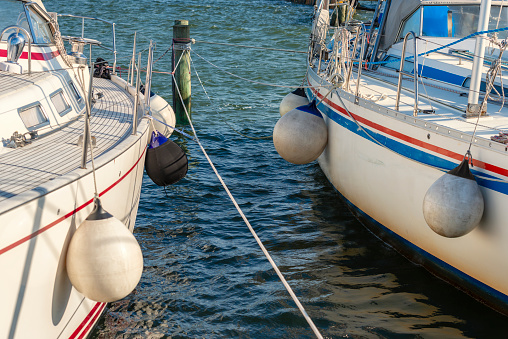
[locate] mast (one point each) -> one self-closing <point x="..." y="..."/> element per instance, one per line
<point x="479" y="53"/>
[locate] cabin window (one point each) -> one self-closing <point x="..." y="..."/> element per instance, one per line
<point x="40" y="28"/>
<point x="60" y="102"/>
<point x="75" y="91"/>
<point x="460" y="21"/>
<point x="33" y="116"/>
<point x="412" y="24"/>
<point x="393" y="62"/>
<point x="497" y="90"/>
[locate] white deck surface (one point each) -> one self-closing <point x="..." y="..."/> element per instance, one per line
<point x="10" y="82"/>
<point x="449" y="103"/>
<point x="56" y="154"/>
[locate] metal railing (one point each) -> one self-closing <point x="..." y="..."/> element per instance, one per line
<point x="402" y="73"/>
<point x="136" y="99"/>
<point x="83" y="18"/>
<point x="136" y="67"/>
<point x="29" y="37"/>
<point x="148" y="81"/>
<point x="86" y="133"/>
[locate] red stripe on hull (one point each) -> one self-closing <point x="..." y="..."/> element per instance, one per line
<point x="411" y="140"/>
<point x="85" y="321"/>
<point x="92" y="322"/>
<point x="44" y="56"/>
<point x="59" y="220"/>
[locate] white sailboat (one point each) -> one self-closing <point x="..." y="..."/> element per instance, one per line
<point x="394" y="129"/>
<point x="50" y="177"/>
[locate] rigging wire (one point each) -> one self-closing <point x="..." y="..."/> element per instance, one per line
<point x="253" y="47"/>
<point x="217" y="112"/>
<point x="248" y="80"/>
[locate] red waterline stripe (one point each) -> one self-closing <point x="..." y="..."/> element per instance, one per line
<point x="90" y="324"/>
<point x="85" y="321"/>
<point x="59" y="220"/>
<point x="45" y="56"/>
<point x="411" y="140"/>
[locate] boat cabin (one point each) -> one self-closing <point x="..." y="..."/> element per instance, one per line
<point x="41" y="87"/>
<point x="437" y="24"/>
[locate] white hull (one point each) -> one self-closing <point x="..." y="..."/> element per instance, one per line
<point x="48" y="185"/>
<point x="37" y="296"/>
<point x="387" y="185"/>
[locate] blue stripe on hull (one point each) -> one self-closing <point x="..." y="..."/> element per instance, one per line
<point x="436" y="266"/>
<point x="459" y="279"/>
<point x="406" y="150"/>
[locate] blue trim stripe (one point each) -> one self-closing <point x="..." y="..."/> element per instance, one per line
<point x="465" y="282"/>
<point x="311" y="108"/>
<point x="407" y="150"/>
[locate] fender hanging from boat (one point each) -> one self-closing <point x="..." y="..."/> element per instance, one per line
<point x="104" y="260"/>
<point x="301" y="135"/>
<point x="165" y="163"/>
<point x="453" y="206"/>
<point x="293" y="100"/>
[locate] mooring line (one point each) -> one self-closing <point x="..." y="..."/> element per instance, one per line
<point x="246" y="46"/>
<point x="217" y="111"/>
<point x="274" y="266"/>
<point x="252" y="81"/>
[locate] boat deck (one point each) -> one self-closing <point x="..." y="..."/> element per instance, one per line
<point x="447" y="102"/>
<point x="57" y="153"/>
<point x="10" y="82"/>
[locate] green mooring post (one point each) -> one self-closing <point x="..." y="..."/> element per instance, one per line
<point x="182" y="80"/>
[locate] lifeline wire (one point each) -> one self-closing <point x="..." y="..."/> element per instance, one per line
<point x="217" y="112"/>
<point x="248" y="80"/>
<point x="276" y="269"/>
<point x="254" y="47"/>
<point x="172" y="127"/>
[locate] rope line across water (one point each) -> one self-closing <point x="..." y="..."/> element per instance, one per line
<point x="217" y="111"/>
<point x="253" y="47"/>
<point x="254" y="234"/>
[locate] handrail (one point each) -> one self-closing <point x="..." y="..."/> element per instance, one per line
<point x="415" y="73"/>
<point x="19" y="28"/>
<point x="88" y="113"/>
<point x="85" y="17"/>
<point x="360" y="62"/>
<point x="350" y="61"/>
<point x="148" y="82"/>
<point x="101" y="20"/>
<point x="136" y="99"/>
<point x="130" y="75"/>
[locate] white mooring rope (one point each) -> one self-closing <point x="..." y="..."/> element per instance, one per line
<point x="276" y="269"/>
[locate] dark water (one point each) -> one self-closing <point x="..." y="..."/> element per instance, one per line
<point x="204" y="274"/>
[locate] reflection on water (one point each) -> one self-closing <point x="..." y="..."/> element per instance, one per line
<point x="204" y="274"/>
